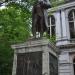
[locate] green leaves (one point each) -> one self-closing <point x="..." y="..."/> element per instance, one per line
<point x="6" y="57"/>
<point x="56" y="2"/>
<point x="15" y="23"/>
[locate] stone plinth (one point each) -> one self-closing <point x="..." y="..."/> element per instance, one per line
<point x="33" y="46"/>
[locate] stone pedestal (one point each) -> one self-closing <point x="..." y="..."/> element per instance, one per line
<point x="32" y="48"/>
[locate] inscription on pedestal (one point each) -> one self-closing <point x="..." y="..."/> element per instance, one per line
<point x="29" y="63"/>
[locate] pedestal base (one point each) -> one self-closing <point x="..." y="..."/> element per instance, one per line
<point x="35" y="57"/>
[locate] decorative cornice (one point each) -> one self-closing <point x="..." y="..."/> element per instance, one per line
<point x="68" y="46"/>
<point x="62" y="7"/>
<point x="31" y="43"/>
<point x="36" y="43"/>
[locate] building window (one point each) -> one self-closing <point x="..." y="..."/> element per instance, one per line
<point x="51" y="23"/>
<point x="71" y="19"/>
<point x="74" y="65"/>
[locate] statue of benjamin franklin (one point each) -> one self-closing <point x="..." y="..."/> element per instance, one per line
<point x="40" y="17"/>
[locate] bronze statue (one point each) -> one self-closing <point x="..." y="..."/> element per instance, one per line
<point x="39" y="20"/>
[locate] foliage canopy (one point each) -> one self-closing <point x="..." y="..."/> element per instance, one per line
<point x="15" y="21"/>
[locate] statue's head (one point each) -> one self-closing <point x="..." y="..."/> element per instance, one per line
<point x="45" y="2"/>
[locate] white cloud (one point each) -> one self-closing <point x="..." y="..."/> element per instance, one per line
<point x="2" y="7"/>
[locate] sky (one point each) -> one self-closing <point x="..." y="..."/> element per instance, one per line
<point x="2" y="6"/>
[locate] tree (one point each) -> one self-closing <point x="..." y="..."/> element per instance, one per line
<point x="56" y="2"/>
<point x="15" y="21"/>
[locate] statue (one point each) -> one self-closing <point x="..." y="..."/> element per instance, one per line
<point x="40" y="17"/>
